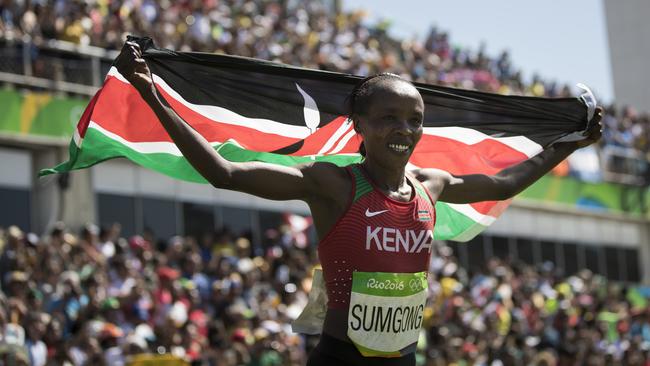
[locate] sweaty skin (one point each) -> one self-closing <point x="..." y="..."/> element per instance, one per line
<point x="390" y="127"/>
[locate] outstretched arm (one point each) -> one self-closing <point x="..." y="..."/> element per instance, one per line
<point x="260" y="179"/>
<point x="508" y="182"/>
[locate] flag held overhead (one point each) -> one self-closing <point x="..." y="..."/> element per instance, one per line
<point x="253" y="110"/>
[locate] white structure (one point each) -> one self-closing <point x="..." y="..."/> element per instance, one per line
<point x="628" y="31"/>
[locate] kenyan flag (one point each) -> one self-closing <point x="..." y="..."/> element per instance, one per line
<point x="257" y="110"/>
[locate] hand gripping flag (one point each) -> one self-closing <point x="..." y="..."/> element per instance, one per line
<point x="253" y="110"/>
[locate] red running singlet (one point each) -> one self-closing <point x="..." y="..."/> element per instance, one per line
<point x="376" y="234"/>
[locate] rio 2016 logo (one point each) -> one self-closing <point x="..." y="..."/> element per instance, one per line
<point x="387" y="284"/>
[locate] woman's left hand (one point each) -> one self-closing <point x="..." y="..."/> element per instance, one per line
<point x="595" y="132"/>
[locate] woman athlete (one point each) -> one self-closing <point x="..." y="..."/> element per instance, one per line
<point x="374" y="219"/>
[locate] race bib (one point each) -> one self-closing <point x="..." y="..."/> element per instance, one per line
<point x="386" y="311"/>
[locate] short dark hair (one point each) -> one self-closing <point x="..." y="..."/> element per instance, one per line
<point x="359" y="98"/>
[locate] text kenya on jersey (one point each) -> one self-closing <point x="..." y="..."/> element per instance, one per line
<point x="396" y="240"/>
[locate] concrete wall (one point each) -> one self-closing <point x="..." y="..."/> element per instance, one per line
<point x="125" y="178"/>
<point x="628" y="30"/>
<point x="559" y="223"/>
<point x="77" y="205"/>
<point x="19" y="167"/>
<point x="15" y="167"/>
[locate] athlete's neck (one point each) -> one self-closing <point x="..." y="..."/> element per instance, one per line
<point x="390" y="179"/>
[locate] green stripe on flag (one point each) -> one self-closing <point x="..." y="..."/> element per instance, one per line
<point x="73" y="152"/>
<point x="453" y="225"/>
<point x="97" y="147"/>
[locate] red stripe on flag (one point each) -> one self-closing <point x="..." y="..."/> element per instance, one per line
<point x="314" y="143"/>
<point x="136" y="122"/>
<point x="485" y="157"/>
<point x="494" y="208"/>
<point x="84" y="121"/>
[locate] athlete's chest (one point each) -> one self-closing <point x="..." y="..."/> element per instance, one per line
<point x="376" y="235"/>
<point x="375" y="209"/>
<point x="376" y="225"/>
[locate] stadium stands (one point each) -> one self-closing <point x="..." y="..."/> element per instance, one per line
<point x="97" y="298"/>
<point x="308" y="33"/>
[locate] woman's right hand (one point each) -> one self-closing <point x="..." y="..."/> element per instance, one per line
<point x="134" y="68"/>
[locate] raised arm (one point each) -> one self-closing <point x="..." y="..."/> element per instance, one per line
<point x="260" y="179"/>
<point x="508" y="182"/>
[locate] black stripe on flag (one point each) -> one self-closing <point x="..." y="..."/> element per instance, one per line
<point x="262" y="89"/>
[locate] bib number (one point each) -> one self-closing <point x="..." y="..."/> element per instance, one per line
<point x="386" y="311"/>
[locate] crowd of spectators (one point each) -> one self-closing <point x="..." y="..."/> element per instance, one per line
<point x="99" y="299"/>
<point x="626" y="133"/>
<point x="516" y="314"/>
<point x="96" y="298"/>
<point x="313" y="34"/>
<point x="306" y="33"/>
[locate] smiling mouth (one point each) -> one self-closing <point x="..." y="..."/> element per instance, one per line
<point x="399" y="147"/>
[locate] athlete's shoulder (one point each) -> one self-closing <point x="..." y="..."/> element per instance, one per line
<point x="332" y="186"/>
<point x="328" y="176"/>
<point x="323" y="169"/>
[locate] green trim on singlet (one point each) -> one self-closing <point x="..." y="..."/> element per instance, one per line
<point x="419" y="189"/>
<point x="361" y="184"/>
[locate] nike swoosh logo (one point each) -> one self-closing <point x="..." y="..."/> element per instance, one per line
<point x="371" y="214"/>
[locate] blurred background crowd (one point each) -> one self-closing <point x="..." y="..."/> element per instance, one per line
<point x="97" y="299"/>
<point x="310" y="34"/>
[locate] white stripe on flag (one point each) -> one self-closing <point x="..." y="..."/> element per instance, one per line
<point x="469" y="211"/>
<point x="164" y="147"/>
<point x="223" y="115"/>
<point x="470" y="137"/>
<point x="142" y="147"/>
<point x="335" y="137"/>
<point x="76" y="137"/>
<point x="343" y="142"/>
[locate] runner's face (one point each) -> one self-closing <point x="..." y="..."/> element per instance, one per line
<point x="392" y="124"/>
